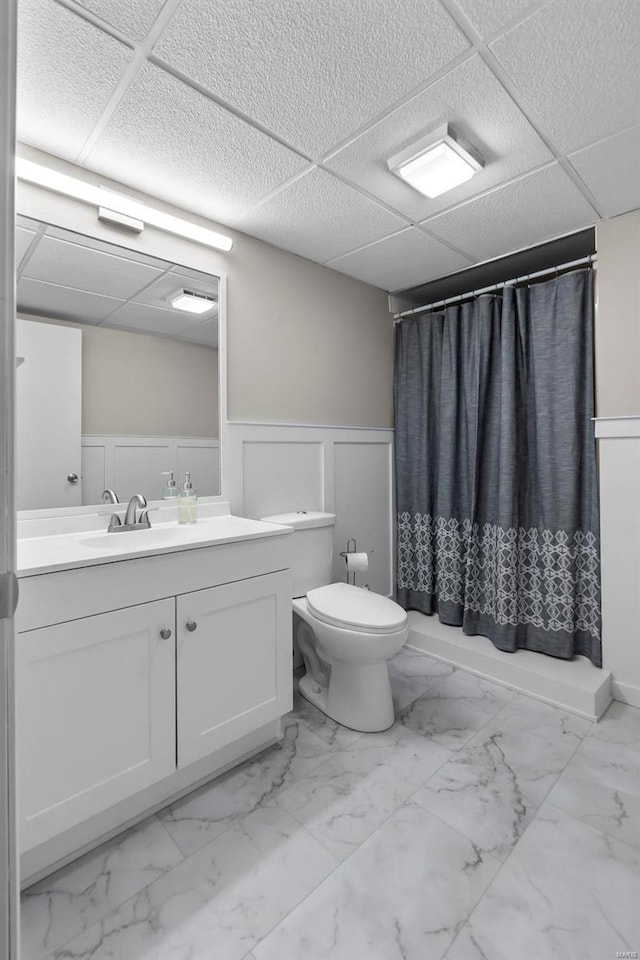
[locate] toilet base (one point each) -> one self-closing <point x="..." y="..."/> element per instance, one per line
<point x="358" y="696"/>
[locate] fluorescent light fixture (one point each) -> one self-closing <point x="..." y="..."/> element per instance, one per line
<point x="192" y="302"/>
<point x="116" y="202"/>
<point x="436" y="163"/>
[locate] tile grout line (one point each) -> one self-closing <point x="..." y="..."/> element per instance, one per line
<point x="590" y="826"/>
<point x="340" y="863"/>
<point x="518" y="841"/>
<point x="101" y="919"/>
<point x="368" y="839"/>
<point x="508" y="858"/>
<point x="569" y="813"/>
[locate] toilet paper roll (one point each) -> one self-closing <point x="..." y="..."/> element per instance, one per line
<point x="357" y="562"/>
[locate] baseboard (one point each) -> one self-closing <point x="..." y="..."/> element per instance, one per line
<point x="576" y="686"/>
<point x="625" y="692"/>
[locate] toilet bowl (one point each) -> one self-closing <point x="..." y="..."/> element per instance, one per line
<point x="346" y="634"/>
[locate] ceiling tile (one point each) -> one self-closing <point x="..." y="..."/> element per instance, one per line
<point x="478" y="108"/>
<point x="142" y="317"/>
<point x="489" y="16"/>
<point x="611" y="170"/>
<point x="168" y="140"/>
<point x="319" y="217"/>
<point x="67" y="70"/>
<point x="134" y="20"/>
<point x="62" y="303"/>
<point x="311" y="72"/>
<point x="535" y="208"/>
<point x="206" y="333"/>
<point x="401" y="261"/>
<point x="73" y="265"/>
<point x="119" y="242"/>
<point x="207" y="281"/>
<point x="23" y="242"/>
<point x="576" y="65"/>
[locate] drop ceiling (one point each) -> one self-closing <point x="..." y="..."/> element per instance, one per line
<point x="277" y="117"/>
<point x="66" y="276"/>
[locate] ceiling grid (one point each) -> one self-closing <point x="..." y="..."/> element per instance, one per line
<point x="277" y="117"/>
<point x="66" y="276"/>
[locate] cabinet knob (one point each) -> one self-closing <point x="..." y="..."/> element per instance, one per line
<point x="73" y="477"/>
<point x="165" y="633"/>
<point x="191" y="625"/>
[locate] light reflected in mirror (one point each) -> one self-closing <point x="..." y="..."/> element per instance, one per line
<point x="115" y="385"/>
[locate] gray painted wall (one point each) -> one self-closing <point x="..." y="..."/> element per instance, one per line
<point x="618" y="316"/>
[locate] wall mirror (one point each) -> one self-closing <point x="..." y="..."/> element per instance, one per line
<point x="117" y="376"/>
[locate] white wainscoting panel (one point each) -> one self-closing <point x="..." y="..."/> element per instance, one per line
<point x="278" y="468"/>
<point x="280" y="477"/>
<point x="619" y="464"/>
<point x="131" y="465"/>
<point x="94" y="473"/>
<point x="139" y="468"/>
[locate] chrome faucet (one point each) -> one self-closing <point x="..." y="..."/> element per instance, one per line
<point x="137" y="500"/>
<point x="132" y="519"/>
<point x="109" y="496"/>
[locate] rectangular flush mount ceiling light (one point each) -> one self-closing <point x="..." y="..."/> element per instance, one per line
<point x="192" y="302"/>
<point x="100" y="197"/>
<point x="436" y="163"/>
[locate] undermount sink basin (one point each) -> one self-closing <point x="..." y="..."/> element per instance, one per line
<point x="135" y="539"/>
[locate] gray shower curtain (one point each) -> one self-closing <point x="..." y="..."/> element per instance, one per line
<point x="496" y="485"/>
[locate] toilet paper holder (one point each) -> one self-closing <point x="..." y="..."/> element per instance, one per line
<point x="352" y="547"/>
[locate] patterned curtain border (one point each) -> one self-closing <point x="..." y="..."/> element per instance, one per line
<point x="549" y="579"/>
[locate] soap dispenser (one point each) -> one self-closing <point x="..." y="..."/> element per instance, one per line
<point x="170" y="490"/>
<point x="187" y="502"/>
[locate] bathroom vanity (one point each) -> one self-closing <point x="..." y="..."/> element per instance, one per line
<point x="146" y="663"/>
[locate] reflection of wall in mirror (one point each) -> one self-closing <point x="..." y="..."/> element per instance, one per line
<point x="148" y="404"/>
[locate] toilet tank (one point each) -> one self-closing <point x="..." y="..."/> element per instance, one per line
<point x="312" y="548"/>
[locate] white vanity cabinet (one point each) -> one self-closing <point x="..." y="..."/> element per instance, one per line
<point x="140" y="678"/>
<point x="97" y="714"/>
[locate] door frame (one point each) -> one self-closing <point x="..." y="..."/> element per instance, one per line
<point x="9" y="880"/>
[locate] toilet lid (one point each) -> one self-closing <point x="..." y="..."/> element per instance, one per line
<point x="343" y="605"/>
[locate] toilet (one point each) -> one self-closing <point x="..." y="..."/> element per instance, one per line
<point x="345" y="633"/>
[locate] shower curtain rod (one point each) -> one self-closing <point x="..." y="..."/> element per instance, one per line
<point x="495" y="286"/>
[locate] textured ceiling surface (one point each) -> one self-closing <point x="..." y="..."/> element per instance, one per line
<point x="277" y="117"/>
<point x="66" y="276"/>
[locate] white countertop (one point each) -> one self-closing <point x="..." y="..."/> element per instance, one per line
<point x="37" y="555"/>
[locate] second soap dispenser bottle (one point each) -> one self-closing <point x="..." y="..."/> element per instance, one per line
<point x="170" y="490"/>
<point x="187" y="501"/>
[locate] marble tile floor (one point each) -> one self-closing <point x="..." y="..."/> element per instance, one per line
<point x="484" y="825"/>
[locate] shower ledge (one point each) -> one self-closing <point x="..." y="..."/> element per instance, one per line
<point x="574" y="685"/>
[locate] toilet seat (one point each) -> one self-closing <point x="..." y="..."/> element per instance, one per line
<point x="355" y="608"/>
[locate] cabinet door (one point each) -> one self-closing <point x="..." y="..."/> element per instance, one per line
<point x="233" y="661"/>
<point x="96" y="715"/>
